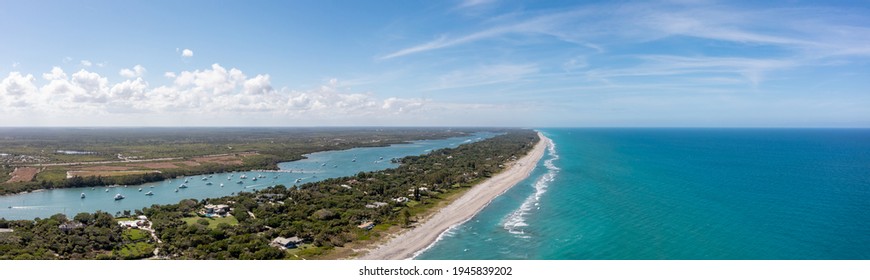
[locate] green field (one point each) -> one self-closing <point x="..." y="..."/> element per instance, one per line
<point x="212" y="222"/>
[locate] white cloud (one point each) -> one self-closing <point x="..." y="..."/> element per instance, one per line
<point x="203" y="95"/>
<point x="91" y="87"/>
<point x="86" y="63"/>
<point x="399" y="105"/>
<point x="170" y="75"/>
<point x="55" y="74"/>
<point x="15" y="90"/>
<point x="15" y="64"/>
<point x="136" y="71"/>
<point x="67" y="59"/>
<point x="187" y="53"/>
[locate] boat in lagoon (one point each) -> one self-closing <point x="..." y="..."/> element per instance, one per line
<point x="208" y="184"/>
<point x="119" y="197"/>
<point x="83" y="195"/>
<point x="149" y="193"/>
<point x="183" y="186"/>
<point x="140" y="189"/>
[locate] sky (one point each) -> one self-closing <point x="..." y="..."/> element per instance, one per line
<point x="435" y="63"/>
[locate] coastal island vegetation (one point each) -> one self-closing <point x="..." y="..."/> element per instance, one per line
<point x="330" y="219"/>
<point x="47" y="158"/>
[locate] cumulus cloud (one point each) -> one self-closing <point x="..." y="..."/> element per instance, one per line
<point x="216" y="91"/>
<point x="15" y="88"/>
<point x="136" y="71"/>
<point x="186" y="53"/>
<point x="55" y="74"/>
<point x="86" y="63"/>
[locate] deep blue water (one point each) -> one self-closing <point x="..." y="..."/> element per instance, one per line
<point x="681" y="194"/>
<point x="316" y="167"/>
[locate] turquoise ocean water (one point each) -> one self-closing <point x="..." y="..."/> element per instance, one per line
<point x="681" y="194"/>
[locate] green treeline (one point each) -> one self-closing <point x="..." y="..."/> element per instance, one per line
<point x="324" y="214"/>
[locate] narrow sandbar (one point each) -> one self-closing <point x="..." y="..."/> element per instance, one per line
<point x="404" y="245"/>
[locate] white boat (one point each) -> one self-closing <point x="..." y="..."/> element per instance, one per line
<point x="381" y="158"/>
<point x="324" y="164"/>
<point x="222" y="185"/>
<point x="353" y="160"/>
<point x="204" y="178"/>
<point x="208" y="184"/>
<point x="83" y="195"/>
<point x="140" y="189"/>
<point x="243" y="176"/>
<point x="298" y="180"/>
<point x="119" y="197"/>
<point x="107" y="190"/>
<point x="183" y="186"/>
<point x="185" y="180"/>
<point x="176" y="190"/>
<point x="255" y="179"/>
<point x="149" y="193"/>
<point x="239" y="182"/>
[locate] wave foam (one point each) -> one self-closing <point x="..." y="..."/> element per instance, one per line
<point x="515" y="222"/>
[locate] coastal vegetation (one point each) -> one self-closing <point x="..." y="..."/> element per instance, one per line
<point x="49" y="158"/>
<point x="329" y="216"/>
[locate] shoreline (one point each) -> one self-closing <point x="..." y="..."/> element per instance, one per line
<point x="410" y="243"/>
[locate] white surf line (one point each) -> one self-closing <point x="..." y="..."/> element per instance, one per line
<point x="517" y="219"/>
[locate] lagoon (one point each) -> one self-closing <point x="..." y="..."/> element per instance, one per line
<point x="316" y="167"/>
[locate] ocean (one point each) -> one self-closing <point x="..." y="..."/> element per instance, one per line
<point x="681" y="194"/>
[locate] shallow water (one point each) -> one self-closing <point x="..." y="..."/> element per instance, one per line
<point x="681" y="194"/>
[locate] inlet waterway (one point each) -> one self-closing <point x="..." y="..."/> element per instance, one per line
<point x="316" y="167"/>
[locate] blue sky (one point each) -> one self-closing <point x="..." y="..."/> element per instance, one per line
<point x="473" y="62"/>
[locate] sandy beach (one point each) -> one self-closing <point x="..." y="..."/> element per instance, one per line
<point x="407" y="243"/>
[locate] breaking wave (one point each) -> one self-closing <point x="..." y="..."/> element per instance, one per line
<point x="515" y="222"/>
